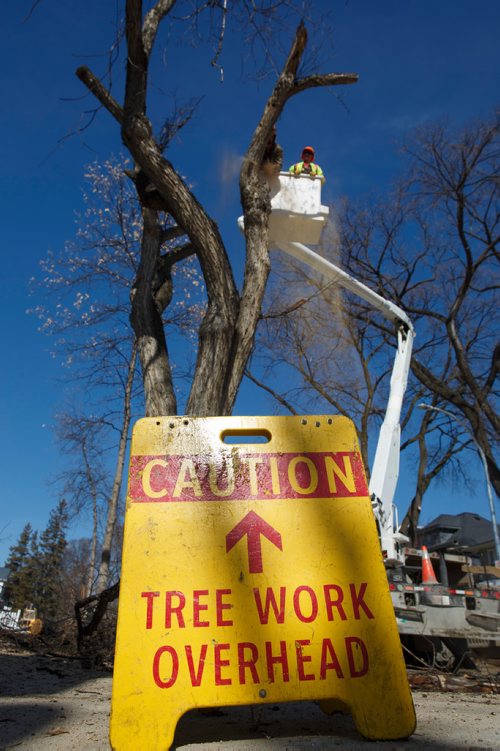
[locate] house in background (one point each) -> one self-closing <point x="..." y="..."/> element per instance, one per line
<point x="464" y="534"/>
<point x="4" y="575"/>
<point x="9" y="618"/>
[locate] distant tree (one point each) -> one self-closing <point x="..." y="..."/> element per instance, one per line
<point x="49" y="562"/>
<point x="87" y="288"/>
<point x="89" y="484"/>
<point x="86" y="481"/>
<point x="74" y="573"/>
<point x="114" y="497"/>
<point x="19" y="586"/>
<point x="434" y="250"/>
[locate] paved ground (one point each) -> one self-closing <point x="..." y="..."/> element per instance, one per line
<point x="51" y="704"/>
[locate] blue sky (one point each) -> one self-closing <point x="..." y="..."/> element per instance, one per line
<point x="417" y="62"/>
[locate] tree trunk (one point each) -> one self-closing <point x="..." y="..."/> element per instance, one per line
<point x="215" y="335"/>
<point x="93" y="545"/>
<point x="146" y="321"/>
<point x="103" y="575"/>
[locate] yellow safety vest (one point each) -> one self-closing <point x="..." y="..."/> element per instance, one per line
<point x="298" y="168"/>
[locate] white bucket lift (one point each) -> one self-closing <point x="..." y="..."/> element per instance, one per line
<point x="297" y="214"/>
<point x="297" y="220"/>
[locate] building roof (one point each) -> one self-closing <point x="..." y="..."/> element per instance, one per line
<point x="467" y="530"/>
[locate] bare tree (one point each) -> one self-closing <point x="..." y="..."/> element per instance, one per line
<point x="114" y="497"/>
<point x="226" y="335"/>
<point x="437" y="454"/>
<point x="92" y="481"/>
<point x="435" y="253"/>
<point x="459" y="179"/>
<point x="88" y="484"/>
<point x="84" y="484"/>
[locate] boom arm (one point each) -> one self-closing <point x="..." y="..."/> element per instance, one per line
<point x="297" y="213"/>
<point x="385" y="470"/>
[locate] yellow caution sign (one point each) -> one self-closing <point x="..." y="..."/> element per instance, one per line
<point x="252" y="572"/>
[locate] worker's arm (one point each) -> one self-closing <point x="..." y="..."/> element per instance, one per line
<point x="319" y="173"/>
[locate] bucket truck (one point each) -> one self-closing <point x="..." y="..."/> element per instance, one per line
<point x="439" y="616"/>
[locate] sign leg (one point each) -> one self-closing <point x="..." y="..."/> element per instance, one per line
<point x="151" y="727"/>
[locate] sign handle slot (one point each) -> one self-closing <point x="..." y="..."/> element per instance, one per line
<point x="245" y="435"/>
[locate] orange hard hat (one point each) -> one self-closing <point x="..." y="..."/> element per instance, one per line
<point x="308" y="148"/>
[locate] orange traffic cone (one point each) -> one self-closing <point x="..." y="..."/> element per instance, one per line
<point x="428" y="575"/>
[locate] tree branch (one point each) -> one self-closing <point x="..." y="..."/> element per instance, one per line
<point x="171" y="233"/>
<point x="265" y="387"/>
<point x="137" y="63"/>
<point x="100" y="92"/>
<point x="323" y="79"/>
<point x="152" y="21"/>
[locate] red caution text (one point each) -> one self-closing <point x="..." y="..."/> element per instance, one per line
<point x="202" y="608"/>
<point x="219" y="663"/>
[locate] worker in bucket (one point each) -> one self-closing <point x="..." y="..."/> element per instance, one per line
<point x="307" y="166"/>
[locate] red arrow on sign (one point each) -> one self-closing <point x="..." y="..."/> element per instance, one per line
<point x="254" y="526"/>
